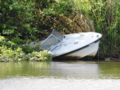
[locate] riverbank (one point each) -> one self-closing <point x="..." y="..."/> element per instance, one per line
<point x="35" y="20"/>
<point x="10" y="51"/>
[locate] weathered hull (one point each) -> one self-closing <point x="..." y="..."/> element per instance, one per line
<point x="87" y="51"/>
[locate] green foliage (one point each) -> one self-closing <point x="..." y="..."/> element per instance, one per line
<point x="10" y="51"/>
<point x="15" y="18"/>
<point x="39" y="56"/>
<point x="82" y="6"/>
<point x="25" y="20"/>
<point x="62" y="7"/>
<point x="106" y="17"/>
<point x="28" y="49"/>
<point x="41" y="4"/>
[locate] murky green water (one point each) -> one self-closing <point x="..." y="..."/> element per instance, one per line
<point x="72" y="75"/>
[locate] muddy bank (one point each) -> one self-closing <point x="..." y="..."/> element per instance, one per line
<point x="88" y="58"/>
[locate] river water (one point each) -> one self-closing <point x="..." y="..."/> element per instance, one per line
<point x="71" y="75"/>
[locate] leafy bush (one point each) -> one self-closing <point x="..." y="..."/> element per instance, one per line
<point x="47" y="11"/>
<point x="39" y="56"/>
<point x="10" y="51"/>
<point x="62" y="7"/>
<point x="15" y="19"/>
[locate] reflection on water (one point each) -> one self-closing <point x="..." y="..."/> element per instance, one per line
<point x="75" y="75"/>
<point x="70" y="69"/>
<point x="23" y="69"/>
<point x="75" y="69"/>
<point x="110" y="70"/>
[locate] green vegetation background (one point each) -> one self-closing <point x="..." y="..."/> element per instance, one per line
<point x="23" y="21"/>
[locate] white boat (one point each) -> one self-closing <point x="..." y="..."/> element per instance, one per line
<point x="72" y="45"/>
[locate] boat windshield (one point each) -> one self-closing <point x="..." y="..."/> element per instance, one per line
<point x="51" y="41"/>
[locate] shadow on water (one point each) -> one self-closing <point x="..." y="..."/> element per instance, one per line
<point x="64" y="69"/>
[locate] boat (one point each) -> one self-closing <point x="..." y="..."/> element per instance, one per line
<point x="77" y="45"/>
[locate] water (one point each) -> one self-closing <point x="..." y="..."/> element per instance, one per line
<point x="72" y="75"/>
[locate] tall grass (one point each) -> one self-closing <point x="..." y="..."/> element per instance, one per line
<point x="106" y="17"/>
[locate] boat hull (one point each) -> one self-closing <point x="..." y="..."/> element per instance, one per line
<point x="87" y="51"/>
